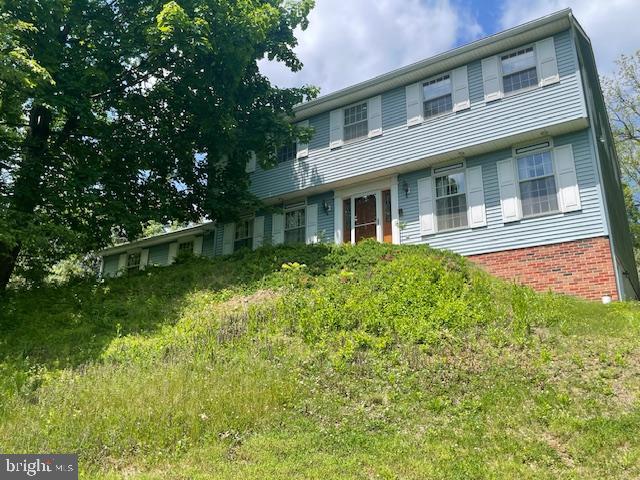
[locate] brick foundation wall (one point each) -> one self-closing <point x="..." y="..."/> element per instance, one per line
<point x="583" y="268"/>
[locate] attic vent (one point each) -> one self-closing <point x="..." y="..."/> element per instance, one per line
<point x="531" y="148"/>
<point x="448" y="168"/>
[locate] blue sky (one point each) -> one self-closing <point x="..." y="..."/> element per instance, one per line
<point x="349" y="41"/>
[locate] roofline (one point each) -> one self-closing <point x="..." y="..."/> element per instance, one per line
<point x="378" y="84"/>
<point x="157" y="239"/>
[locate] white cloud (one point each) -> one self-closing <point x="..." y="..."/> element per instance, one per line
<point x="612" y="25"/>
<point x="349" y="41"/>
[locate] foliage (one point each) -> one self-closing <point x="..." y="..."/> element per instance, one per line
<point x="321" y="361"/>
<point x="116" y="113"/>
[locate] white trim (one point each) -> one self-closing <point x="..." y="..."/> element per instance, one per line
<point x="338" y="220"/>
<point x="381" y="184"/>
<point x="144" y="259"/>
<point x="395" y="215"/>
<point x="302" y="149"/>
<point x="173" y="251"/>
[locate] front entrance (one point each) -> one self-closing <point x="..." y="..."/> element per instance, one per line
<point x="367" y="215"/>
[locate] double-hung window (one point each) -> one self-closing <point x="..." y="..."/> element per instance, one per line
<point x="185" y="248"/>
<point x="437" y="96"/>
<point x="295" y="226"/>
<point x="287" y="152"/>
<point x="519" y="70"/>
<point x="356" y="124"/>
<point x="133" y="261"/>
<point x="243" y="235"/>
<point x="538" y="191"/>
<point x="451" y="200"/>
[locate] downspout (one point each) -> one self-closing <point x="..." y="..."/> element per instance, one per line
<point x="594" y="142"/>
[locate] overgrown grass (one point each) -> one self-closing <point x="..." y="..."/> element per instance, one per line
<point x="372" y="361"/>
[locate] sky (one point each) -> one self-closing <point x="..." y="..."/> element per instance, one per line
<point x="349" y="41"/>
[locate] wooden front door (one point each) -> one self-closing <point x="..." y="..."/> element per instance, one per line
<point x="365" y="217"/>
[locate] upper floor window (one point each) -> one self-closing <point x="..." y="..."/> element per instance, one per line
<point x="519" y="70"/>
<point x="133" y="261"/>
<point x="437" y="96"/>
<point x="287" y="152"/>
<point x="356" y="124"/>
<point x="451" y="201"/>
<point x="244" y="235"/>
<point x="295" y="226"/>
<point x="185" y="247"/>
<point x="538" y="192"/>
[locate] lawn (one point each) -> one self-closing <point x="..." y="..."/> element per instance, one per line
<point x="372" y="361"/>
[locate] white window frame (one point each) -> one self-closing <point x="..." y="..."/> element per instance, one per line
<point x="445" y="170"/>
<point x="130" y="268"/>
<point x="295" y="153"/>
<point x="185" y="241"/>
<point x="249" y="221"/>
<point x="289" y="209"/>
<point x="423" y="100"/>
<point x="344" y="123"/>
<point x="540" y="147"/>
<point x="502" y="74"/>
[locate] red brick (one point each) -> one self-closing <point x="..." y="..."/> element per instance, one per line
<point x="583" y="268"/>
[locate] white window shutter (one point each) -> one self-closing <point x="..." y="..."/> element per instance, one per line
<point x="336" y="128"/>
<point x="414" y="104"/>
<point x="491" y="78"/>
<point x="312" y="223"/>
<point x="568" y="191"/>
<point x="122" y="262"/>
<point x="425" y="207"/>
<point x="258" y="232"/>
<point x="173" y="252"/>
<point x="277" y="229"/>
<point x="251" y="163"/>
<point x="197" y="245"/>
<point x="144" y="258"/>
<point x="475" y="193"/>
<point x="508" y="184"/>
<point x="547" y="63"/>
<point x="374" y="109"/>
<point x="303" y="148"/>
<point x="228" y="237"/>
<point x="460" y="88"/>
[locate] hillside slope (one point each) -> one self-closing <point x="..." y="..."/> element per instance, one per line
<point x="372" y="361"/>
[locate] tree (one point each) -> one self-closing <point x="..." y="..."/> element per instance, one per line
<point x="114" y="113"/>
<point x="622" y="93"/>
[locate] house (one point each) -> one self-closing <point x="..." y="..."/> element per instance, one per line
<point x="499" y="150"/>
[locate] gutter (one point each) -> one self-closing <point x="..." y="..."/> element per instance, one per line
<point x="416" y="71"/>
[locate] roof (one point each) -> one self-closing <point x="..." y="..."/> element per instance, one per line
<point x="485" y="47"/>
<point x="158" y="239"/>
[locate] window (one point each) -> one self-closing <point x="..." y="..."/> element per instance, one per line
<point x="538" y="194"/>
<point x="295" y="226"/>
<point x="519" y="70"/>
<point x="451" y="201"/>
<point x="244" y="235"/>
<point x="133" y="261"/>
<point x="437" y="96"/>
<point x="356" y="124"/>
<point x="185" y="248"/>
<point x="288" y="152"/>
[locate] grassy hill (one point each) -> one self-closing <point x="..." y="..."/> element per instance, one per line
<point x="372" y="361"/>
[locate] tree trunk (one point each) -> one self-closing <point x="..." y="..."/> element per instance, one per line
<point x="27" y="187"/>
<point x="8" y="258"/>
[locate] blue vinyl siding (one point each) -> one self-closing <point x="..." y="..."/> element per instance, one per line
<point x="209" y="244"/>
<point x="159" y="254"/>
<point x="325" y="220"/>
<point x="497" y="236"/>
<point x="110" y="266"/>
<point x="400" y="145"/>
